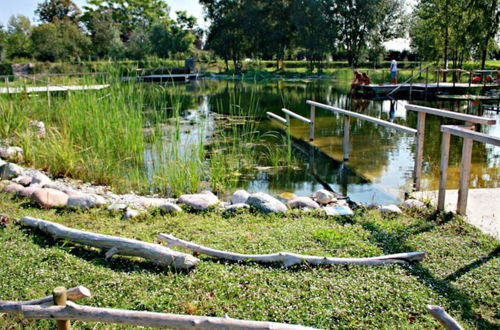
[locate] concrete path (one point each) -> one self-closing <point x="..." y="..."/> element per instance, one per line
<point x="483" y="207"/>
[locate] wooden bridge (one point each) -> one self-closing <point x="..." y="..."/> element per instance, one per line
<point x="49" y="89"/>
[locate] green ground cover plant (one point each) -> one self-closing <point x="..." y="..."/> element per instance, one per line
<point x="459" y="272"/>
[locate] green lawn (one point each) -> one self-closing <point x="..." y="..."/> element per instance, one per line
<point x="460" y="272"/>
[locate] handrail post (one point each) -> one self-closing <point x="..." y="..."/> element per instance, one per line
<point x="289" y="136"/>
<point x="443" y="171"/>
<point x="60" y="296"/>
<point x="463" y="189"/>
<point x="347" y="126"/>
<point x="312" y="123"/>
<point x="426" y="80"/>
<point x="417" y="175"/>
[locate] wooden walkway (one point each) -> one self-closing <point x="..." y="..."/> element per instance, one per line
<point x="49" y="89"/>
<point x="420" y="88"/>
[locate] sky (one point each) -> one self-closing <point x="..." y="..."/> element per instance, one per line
<point x="27" y="8"/>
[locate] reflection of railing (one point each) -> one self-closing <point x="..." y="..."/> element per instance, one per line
<point x="422" y="111"/>
<point x="469" y="136"/>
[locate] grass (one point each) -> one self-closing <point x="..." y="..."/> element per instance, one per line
<point x="460" y="272"/>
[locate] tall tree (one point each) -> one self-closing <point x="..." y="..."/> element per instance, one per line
<point x="18" y="43"/>
<point x="51" y="11"/>
<point x="105" y="35"/>
<point x="487" y="25"/>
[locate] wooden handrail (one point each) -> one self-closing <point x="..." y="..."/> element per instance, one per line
<point x="451" y="114"/>
<point x="275" y="116"/>
<point x="296" y="116"/>
<point x="364" y="117"/>
<point x="473" y="135"/>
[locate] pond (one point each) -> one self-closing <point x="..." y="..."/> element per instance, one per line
<point x="381" y="160"/>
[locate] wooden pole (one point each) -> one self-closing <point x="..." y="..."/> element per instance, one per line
<point x="443" y="171"/>
<point x="60" y="297"/>
<point x="383" y="77"/>
<point x="347" y="126"/>
<point x="420" y="150"/>
<point x="48" y="90"/>
<point x="426" y="80"/>
<point x="444" y="318"/>
<point x="470" y="78"/>
<point x="463" y="189"/>
<point x="312" y="124"/>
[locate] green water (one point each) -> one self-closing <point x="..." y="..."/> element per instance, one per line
<point x="381" y="160"/>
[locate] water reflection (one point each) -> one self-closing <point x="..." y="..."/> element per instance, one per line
<point x="381" y="159"/>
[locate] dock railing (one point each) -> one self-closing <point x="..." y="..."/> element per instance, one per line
<point x="422" y="111"/>
<point x="469" y="136"/>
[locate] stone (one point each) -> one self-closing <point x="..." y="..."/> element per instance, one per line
<point x="302" y="202"/>
<point x="266" y="203"/>
<point x="38" y="128"/>
<point x="236" y="207"/>
<point x="2" y="162"/>
<point x="23" y="180"/>
<point x="10" y="171"/>
<point x="324" y="196"/>
<point x="338" y="210"/>
<point x="130" y="213"/>
<point x="40" y="179"/>
<point x="27" y="191"/>
<point x="12" y="188"/>
<point x="86" y="201"/>
<point x="151" y="202"/>
<point x="11" y="153"/>
<point x="387" y="209"/>
<point x="413" y="204"/>
<point x="239" y="196"/>
<point x="116" y="207"/>
<point x="201" y="201"/>
<point x="47" y="198"/>
<point x="170" y="208"/>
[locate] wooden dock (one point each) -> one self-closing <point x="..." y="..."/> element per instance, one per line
<point x="182" y="77"/>
<point x="49" y="89"/>
<point x="419" y="89"/>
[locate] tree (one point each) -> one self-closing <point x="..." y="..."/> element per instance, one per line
<point x="105" y="35"/>
<point x="486" y="25"/>
<point x="139" y="44"/>
<point x="59" y="41"/>
<point x="18" y="43"/>
<point x="176" y="37"/>
<point x="51" y="11"/>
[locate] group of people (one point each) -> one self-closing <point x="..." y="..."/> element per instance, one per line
<point x="361" y="79"/>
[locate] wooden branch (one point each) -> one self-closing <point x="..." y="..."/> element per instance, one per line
<point x="290" y="259"/>
<point x="444" y="318"/>
<point x="124" y="246"/>
<point x="73" y="294"/>
<point x="146" y="319"/>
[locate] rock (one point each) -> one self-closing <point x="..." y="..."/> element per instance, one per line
<point x="4" y="220"/>
<point x="38" y="128"/>
<point x="27" y="191"/>
<point x="266" y="203"/>
<point x="338" y="210"/>
<point x="236" y="207"/>
<point x="150" y="202"/>
<point x="2" y="162"/>
<point x="386" y="209"/>
<point x="12" y="188"/>
<point x="201" y="201"/>
<point x="47" y="198"/>
<point x="170" y="208"/>
<point x="130" y="213"/>
<point x="302" y="202"/>
<point x="239" y="196"/>
<point x="86" y="201"/>
<point x="11" y="153"/>
<point x="40" y="179"/>
<point x="324" y="196"/>
<point x="23" y="180"/>
<point x="287" y="196"/>
<point x="413" y="203"/>
<point x="10" y="171"/>
<point x="116" y="207"/>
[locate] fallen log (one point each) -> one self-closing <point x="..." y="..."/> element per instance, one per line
<point x="290" y="259"/>
<point x="73" y="311"/>
<point x="155" y="253"/>
<point x="73" y="294"/>
<point x="444" y="318"/>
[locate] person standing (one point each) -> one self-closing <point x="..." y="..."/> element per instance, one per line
<point x="394" y="71"/>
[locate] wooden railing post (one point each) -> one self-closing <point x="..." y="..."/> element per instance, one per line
<point x="60" y="296"/>
<point x="463" y="189"/>
<point x="426" y="80"/>
<point x="312" y="124"/>
<point x="347" y="126"/>
<point x="417" y="175"/>
<point x="445" y="155"/>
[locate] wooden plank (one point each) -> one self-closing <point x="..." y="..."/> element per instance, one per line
<point x="296" y="116"/>
<point x="419" y="156"/>
<point x="448" y="322"/>
<point x="364" y="117"/>
<point x="463" y="189"/>
<point x="347" y="126"/>
<point x="312" y="125"/>
<point x="473" y="135"/>
<point x="48" y="89"/>
<point x="451" y="114"/>
<point x="443" y="170"/>
<point x="275" y="116"/>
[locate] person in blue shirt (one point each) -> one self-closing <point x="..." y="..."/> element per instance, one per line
<point x="394" y="72"/>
